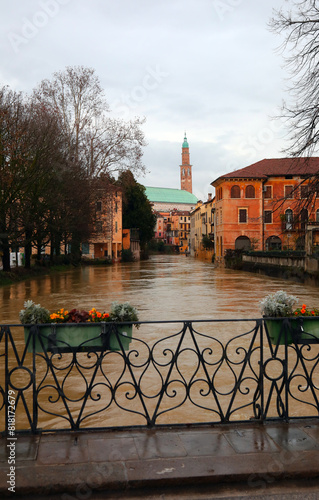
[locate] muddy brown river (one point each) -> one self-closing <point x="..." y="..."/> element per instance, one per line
<point x="164" y="288"/>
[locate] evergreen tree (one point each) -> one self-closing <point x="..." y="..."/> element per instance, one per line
<point x="137" y="210"/>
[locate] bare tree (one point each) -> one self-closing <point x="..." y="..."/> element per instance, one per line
<point x="300" y="26"/>
<point x="13" y="166"/>
<point x="95" y="141"/>
<point x="114" y="146"/>
<point x="76" y="98"/>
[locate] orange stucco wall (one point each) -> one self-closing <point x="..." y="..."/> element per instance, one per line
<point x="228" y="227"/>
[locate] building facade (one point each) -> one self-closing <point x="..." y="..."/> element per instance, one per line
<point x="260" y="206"/>
<point x="202" y="225"/>
<point x="186" y="168"/>
<point x="106" y="239"/>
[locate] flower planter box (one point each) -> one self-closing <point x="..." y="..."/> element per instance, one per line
<point x="276" y="330"/>
<point x="70" y="338"/>
<point x="307" y="331"/>
<point x="299" y="330"/>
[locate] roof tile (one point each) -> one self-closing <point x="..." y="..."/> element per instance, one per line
<point x="275" y="167"/>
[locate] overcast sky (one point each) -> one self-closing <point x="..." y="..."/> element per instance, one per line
<point x="207" y="67"/>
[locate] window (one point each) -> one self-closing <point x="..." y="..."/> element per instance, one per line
<point x="250" y="192"/>
<point x="235" y="192"/>
<point x="85" y="248"/>
<point x="304" y="191"/>
<point x="267" y="192"/>
<point x="242" y="215"/>
<point x="221" y="215"/>
<point x="289" y="191"/>
<point x="288" y="219"/>
<point x="116" y="207"/>
<point x="98" y="227"/>
<point x="317" y="216"/>
<point x="116" y="226"/>
<point x="303" y="218"/>
<point x="219" y="194"/>
<point x="268" y="216"/>
<point x="98" y="206"/>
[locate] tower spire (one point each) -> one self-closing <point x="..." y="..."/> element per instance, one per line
<point x="186" y="168"/>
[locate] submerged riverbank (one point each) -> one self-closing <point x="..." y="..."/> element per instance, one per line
<point x="18" y="274"/>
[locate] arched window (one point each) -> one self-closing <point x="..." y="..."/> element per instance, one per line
<point x="235" y="191"/>
<point x="289" y="219"/>
<point x="273" y="243"/>
<point x="221" y="194"/>
<point x="250" y="191"/>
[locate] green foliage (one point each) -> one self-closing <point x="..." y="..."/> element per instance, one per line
<point x="278" y="304"/>
<point x="33" y="314"/>
<point x="233" y="258"/>
<point x="127" y="255"/>
<point x="122" y="312"/>
<point x="136" y="210"/>
<point x="277" y="253"/>
<point x="207" y="242"/>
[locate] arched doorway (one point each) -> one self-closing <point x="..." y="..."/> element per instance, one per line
<point x="242" y="243"/>
<point x="273" y="243"/>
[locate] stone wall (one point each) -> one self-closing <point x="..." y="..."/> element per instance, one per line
<point x="298" y="269"/>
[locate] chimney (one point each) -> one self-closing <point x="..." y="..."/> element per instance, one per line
<point x="209" y="196"/>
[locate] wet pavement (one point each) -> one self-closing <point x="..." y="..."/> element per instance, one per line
<point x="272" y="460"/>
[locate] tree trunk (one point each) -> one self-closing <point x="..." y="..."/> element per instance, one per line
<point x="5" y="255"/>
<point x="28" y="249"/>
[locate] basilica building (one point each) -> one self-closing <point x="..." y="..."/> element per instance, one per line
<point x="168" y="199"/>
<point x="172" y="206"/>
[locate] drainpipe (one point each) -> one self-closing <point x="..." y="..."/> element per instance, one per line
<point x="262" y="217"/>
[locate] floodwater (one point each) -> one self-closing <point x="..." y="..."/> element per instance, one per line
<point x="164" y="288"/>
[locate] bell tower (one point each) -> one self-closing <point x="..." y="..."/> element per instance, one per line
<point x="186" y="168"/>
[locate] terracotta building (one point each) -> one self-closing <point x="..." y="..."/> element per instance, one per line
<point x="257" y="206"/>
<point x="186" y="168"/>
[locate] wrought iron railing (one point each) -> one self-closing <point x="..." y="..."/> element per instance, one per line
<point x="180" y="372"/>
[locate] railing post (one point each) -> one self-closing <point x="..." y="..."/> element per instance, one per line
<point x="34" y="385"/>
<point x="260" y="324"/>
<point x="6" y="385"/>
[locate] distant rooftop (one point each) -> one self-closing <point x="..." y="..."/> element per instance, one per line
<point x="275" y="167"/>
<point x="169" y="195"/>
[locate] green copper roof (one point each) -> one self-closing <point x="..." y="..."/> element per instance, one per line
<point x="169" y="195"/>
<point x="185" y="143"/>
